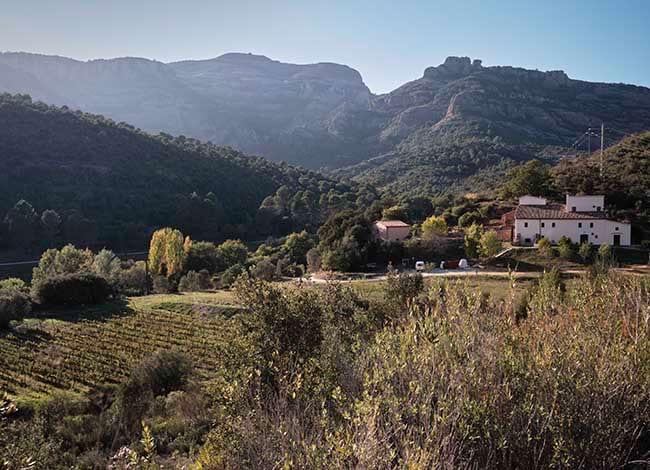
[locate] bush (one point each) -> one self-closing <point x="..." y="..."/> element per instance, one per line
<point x="264" y="270"/>
<point x="545" y="248"/>
<point x="14" y="305"/>
<point x="72" y="289"/>
<point x="162" y="285"/>
<point x="313" y="260"/>
<point x="585" y="252"/>
<point x="231" y="274"/>
<point x="403" y="287"/>
<point x="194" y="282"/>
<point x="565" y="248"/>
<point x="202" y="255"/>
<point x="162" y="373"/>
<point x="133" y="280"/>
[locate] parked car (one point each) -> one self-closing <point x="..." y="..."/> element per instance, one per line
<point x="419" y="265"/>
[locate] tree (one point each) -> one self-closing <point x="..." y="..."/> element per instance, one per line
<point x="166" y="252"/>
<point x="433" y="227"/>
<point x="22" y="224"/>
<point x="107" y="265"/>
<point x="51" y="222"/>
<point x="473" y="240"/>
<point x="313" y="260"/>
<point x="264" y="270"/>
<point x="297" y="245"/>
<point x="231" y="253"/>
<point x="202" y="255"/>
<point x="531" y="178"/>
<point x="469" y="218"/>
<point x="395" y="213"/>
<point x="490" y="244"/>
<point x="67" y="260"/>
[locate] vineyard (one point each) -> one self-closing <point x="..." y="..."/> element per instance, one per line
<point x="100" y="346"/>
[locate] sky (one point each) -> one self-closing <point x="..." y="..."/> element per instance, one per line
<point x="388" y="42"/>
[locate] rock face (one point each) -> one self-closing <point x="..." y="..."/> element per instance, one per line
<point x="323" y="115"/>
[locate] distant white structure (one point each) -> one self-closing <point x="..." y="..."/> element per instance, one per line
<point x="532" y="201"/>
<point x="391" y="230"/>
<point x="581" y="219"/>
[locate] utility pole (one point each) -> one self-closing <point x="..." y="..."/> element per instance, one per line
<point x="589" y="141"/>
<point x="602" y="147"/>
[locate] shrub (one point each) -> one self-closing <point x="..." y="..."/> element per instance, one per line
<point x="565" y="248"/>
<point x="163" y="372"/>
<point x="585" y="252"/>
<point x="14" y="305"/>
<point x="194" y="282"/>
<point x="133" y="280"/>
<point x="403" y="287"/>
<point x="72" y="289"/>
<point x="202" y="255"/>
<point x="231" y="274"/>
<point x="264" y="270"/>
<point x="545" y="248"/>
<point x="162" y="285"/>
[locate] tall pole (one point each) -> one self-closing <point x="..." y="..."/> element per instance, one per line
<point x="589" y="141"/>
<point x="602" y="146"/>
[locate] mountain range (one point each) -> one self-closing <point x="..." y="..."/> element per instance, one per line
<point x="459" y="120"/>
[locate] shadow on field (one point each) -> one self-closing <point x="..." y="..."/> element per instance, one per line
<point x="21" y="333"/>
<point x="102" y="312"/>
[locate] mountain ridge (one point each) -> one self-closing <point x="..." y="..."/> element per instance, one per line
<point x="324" y="116"/>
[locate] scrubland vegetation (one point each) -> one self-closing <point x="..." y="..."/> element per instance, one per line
<point x="554" y="375"/>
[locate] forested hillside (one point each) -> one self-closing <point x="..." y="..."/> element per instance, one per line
<point x="70" y="176"/>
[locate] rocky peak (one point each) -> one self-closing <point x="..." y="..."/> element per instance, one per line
<point x="454" y="67"/>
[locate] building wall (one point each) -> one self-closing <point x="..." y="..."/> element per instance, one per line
<point x="397" y="234"/>
<point x="391" y="234"/>
<point x="585" y="203"/>
<point x="603" y="231"/>
<point x="532" y="201"/>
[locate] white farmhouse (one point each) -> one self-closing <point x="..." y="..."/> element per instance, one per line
<point x="581" y="219"/>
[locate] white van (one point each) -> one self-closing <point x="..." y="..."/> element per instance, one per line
<point x="419" y="265"/>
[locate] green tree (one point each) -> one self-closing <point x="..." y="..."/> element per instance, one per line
<point x="231" y="253"/>
<point x="51" y="222"/>
<point x="472" y="240"/>
<point x="530" y="178"/>
<point x="67" y="260"/>
<point x="490" y="244"/>
<point x="107" y="265"/>
<point x="202" y="255"/>
<point x="297" y="245"/>
<point x="395" y="213"/>
<point x="433" y="227"/>
<point x="22" y="224"/>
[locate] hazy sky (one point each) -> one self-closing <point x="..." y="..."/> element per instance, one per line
<point x="389" y="42"/>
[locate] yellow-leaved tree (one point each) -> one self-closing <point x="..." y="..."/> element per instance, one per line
<point x="434" y="227"/>
<point x="167" y="251"/>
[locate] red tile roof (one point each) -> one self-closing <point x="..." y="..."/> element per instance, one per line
<point x="392" y="223"/>
<point x="554" y="211"/>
